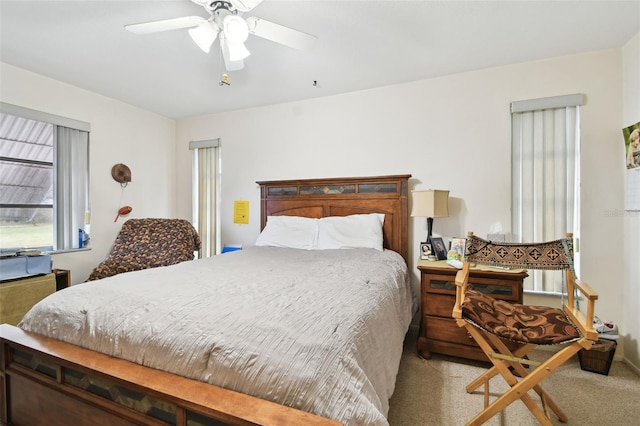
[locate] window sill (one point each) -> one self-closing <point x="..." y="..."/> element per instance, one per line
<point x="75" y="250"/>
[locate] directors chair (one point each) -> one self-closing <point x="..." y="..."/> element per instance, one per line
<point x="490" y="322"/>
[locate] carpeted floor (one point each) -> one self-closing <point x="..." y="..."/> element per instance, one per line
<point x="432" y="392"/>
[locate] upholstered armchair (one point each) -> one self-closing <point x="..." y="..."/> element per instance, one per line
<point x="149" y="243"/>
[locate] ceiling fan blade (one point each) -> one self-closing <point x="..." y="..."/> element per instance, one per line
<point x="166" y="25"/>
<point x="245" y="5"/>
<point x="281" y="34"/>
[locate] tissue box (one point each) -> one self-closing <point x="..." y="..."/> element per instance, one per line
<point x="24" y="266"/>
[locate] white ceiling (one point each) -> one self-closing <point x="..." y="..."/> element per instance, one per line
<point x="361" y="45"/>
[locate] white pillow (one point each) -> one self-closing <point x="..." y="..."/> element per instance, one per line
<point x="355" y="231"/>
<point x="289" y="231"/>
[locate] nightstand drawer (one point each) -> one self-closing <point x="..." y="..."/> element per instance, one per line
<point x="447" y="330"/>
<point x="506" y="290"/>
<point x="444" y="284"/>
<point x="440" y="305"/>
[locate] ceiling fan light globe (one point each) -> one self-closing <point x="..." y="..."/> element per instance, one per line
<point x="204" y="35"/>
<point x="235" y="64"/>
<point x="235" y="29"/>
<point x="237" y="51"/>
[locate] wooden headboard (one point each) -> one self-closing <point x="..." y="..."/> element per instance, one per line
<point x="341" y="197"/>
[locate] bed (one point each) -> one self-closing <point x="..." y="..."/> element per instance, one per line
<point x="300" y="337"/>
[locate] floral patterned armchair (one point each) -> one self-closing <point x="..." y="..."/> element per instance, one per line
<point x="149" y="243"/>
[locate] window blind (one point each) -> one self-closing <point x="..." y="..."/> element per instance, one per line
<point x="546" y="177"/>
<point x="206" y="183"/>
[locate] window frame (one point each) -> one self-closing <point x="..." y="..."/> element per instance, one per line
<point x="65" y="237"/>
<point x="535" y="131"/>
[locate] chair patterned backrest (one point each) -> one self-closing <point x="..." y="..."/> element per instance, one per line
<point x="550" y="255"/>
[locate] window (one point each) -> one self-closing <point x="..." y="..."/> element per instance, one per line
<point x="545" y="177"/>
<point x="206" y="194"/>
<point x="44" y="180"/>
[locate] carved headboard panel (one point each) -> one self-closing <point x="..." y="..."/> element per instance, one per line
<point x="342" y="197"/>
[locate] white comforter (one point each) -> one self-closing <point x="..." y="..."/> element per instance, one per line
<point x="321" y="331"/>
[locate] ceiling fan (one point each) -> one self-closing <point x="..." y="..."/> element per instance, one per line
<point x="226" y="21"/>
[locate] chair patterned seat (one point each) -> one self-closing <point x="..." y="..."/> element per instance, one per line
<point x="149" y="243"/>
<point x="540" y="325"/>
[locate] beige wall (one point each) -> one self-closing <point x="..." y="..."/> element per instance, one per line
<point x="449" y="133"/>
<point x="631" y="252"/>
<point x="120" y="133"/>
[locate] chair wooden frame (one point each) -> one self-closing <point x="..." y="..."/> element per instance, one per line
<point x="510" y="364"/>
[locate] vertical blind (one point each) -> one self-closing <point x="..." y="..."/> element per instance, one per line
<point x="71" y="185"/>
<point x="206" y="182"/>
<point x="545" y="161"/>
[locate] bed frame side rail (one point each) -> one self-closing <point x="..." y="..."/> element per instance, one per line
<point x="42" y="378"/>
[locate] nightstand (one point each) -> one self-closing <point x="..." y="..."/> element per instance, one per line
<point x="438" y="330"/>
<point x="63" y="278"/>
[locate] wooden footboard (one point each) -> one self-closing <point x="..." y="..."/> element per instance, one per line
<point x="46" y="381"/>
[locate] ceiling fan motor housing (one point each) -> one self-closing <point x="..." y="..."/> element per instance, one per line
<point x="216" y="6"/>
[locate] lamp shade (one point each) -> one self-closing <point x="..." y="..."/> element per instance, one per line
<point x="430" y="203"/>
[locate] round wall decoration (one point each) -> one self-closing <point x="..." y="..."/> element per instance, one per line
<point x="121" y="173"/>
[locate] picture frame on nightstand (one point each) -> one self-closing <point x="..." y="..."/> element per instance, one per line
<point x="438" y="247"/>
<point x="458" y="245"/>
<point x="426" y="252"/>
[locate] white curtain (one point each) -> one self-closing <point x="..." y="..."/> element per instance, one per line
<point x="546" y="178"/>
<point x="206" y="181"/>
<point x="71" y="186"/>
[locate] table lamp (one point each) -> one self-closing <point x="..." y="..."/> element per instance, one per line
<point x="430" y="203"/>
